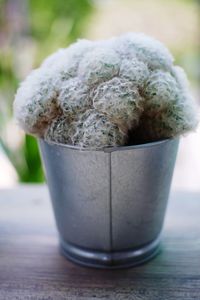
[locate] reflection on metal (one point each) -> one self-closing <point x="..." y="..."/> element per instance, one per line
<point x="109" y="204"/>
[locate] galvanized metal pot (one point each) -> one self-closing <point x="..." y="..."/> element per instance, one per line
<point x="110" y="204"/>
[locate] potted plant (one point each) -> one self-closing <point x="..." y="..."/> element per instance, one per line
<point x="108" y="115"/>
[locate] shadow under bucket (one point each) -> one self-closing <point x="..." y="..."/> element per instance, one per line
<point x="110" y="204"/>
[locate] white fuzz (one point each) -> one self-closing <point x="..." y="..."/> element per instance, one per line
<point x="170" y="109"/>
<point x="67" y="60"/>
<point x="95" y="130"/>
<point x="146" y="49"/>
<point x="134" y="70"/>
<point x="120" y="100"/>
<point x="104" y="93"/>
<point x="74" y="97"/>
<point x="59" y="131"/>
<point x="161" y="90"/>
<point x="99" y="65"/>
<point x="35" y="102"/>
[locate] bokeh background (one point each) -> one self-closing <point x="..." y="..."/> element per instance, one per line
<point x="32" y="29"/>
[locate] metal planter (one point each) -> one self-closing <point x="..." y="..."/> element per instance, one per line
<point x="110" y="204"/>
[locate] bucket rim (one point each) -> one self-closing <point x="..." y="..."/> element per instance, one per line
<point x="112" y="148"/>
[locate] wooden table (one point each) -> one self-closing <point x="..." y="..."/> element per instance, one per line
<point x="31" y="266"/>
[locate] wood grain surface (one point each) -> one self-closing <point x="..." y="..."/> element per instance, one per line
<point x="31" y="266"/>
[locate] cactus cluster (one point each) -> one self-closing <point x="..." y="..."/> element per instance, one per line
<point x="107" y="93"/>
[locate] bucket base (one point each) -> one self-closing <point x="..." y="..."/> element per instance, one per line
<point x="110" y="260"/>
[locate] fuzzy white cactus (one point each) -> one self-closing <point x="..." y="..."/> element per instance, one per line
<point x="120" y="101"/>
<point x="106" y="93"/>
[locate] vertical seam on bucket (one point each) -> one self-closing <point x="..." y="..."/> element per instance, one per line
<point x="110" y="200"/>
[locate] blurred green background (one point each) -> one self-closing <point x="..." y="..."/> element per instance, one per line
<point x="32" y="29"/>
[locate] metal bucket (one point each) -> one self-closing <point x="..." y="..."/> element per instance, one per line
<point x="110" y="204"/>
